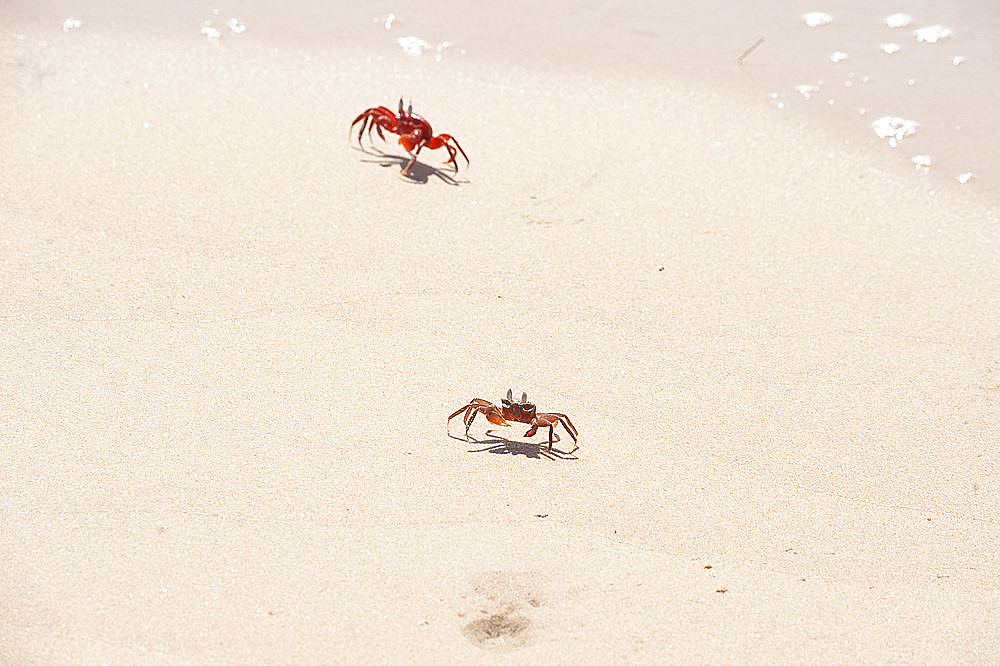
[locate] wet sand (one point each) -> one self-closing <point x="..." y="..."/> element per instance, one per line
<point x="232" y="339"/>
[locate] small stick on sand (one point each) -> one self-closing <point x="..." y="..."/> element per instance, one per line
<point x="739" y="61"/>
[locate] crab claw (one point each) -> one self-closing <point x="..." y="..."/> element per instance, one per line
<point x="495" y="417"/>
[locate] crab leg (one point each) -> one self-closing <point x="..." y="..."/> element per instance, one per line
<point x="550" y="420"/>
<point x="467" y="409"/>
<point x="413" y="159"/>
<point x="570" y="428"/>
<point x="476" y="406"/>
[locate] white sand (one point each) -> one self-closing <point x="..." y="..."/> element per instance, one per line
<point x="231" y="342"/>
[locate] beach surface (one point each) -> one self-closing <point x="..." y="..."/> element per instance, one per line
<point x="232" y="337"/>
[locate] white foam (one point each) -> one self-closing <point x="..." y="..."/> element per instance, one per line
<point x="898" y="20"/>
<point x="894" y="128"/>
<point x="932" y="34"/>
<point x="816" y="19"/>
<point x="412" y="45"/>
<point x="209" y="31"/>
<point x="807" y="90"/>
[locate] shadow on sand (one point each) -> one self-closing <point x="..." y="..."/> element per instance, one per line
<point x="419" y="172"/>
<point x="503" y="446"/>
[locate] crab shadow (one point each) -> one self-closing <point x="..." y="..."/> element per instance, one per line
<point x="503" y="446"/>
<point x="419" y="172"/>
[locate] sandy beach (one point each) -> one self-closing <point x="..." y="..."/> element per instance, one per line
<point x="232" y="337"/>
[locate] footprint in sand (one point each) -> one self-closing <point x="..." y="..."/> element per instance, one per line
<point x="500" y="606"/>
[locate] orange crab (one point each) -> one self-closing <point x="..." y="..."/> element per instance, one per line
<point x="519" y="412"/>
<point x="414" y="133"/>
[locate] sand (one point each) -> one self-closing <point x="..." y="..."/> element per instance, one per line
<point x="232" y="338"/>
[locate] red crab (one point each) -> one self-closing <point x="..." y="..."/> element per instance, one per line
<point x="414" y="133"/>
<point x="519" y="412"/>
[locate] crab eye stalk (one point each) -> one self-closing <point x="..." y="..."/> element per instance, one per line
<point x="510" y="394"/>
<point x="524" y="397"/>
